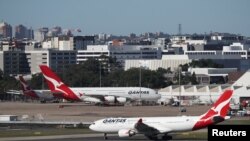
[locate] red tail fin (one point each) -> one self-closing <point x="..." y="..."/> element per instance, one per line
<point x="24" y="85"/>
<point x="221" y="106"/>
<point x="26" y="88"/>
<point x="56" y="85"/>
<point x="52" y="79"/>
<point x="217" y="113"/>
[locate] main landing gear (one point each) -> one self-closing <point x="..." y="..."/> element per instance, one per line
<point x="105" y="136"/>
<point x="166" y="137"/>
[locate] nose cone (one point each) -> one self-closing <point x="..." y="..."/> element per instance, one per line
<point x="91" y="127"/>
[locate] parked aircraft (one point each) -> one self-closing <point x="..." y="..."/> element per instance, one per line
<point x="104" y="95"/>
<point x="152" y="127"/>
<point x="42" y="95"/>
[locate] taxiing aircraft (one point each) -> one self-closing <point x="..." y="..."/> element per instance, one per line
<point x="104" y="95"/>
<point x="152" y="127"/>
<point x="42" y="95"/>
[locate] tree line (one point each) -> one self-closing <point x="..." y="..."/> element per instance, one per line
<point x="109" y="73"/>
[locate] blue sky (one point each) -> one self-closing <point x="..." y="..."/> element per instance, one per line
<point x="122" y="17"/>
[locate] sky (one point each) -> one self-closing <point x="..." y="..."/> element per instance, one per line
<point x="122" y="17"/>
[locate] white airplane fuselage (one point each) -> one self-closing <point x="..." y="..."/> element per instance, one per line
<point x="40" y="94"/>
<point x="165" y="124"/>
<point x="152" y="126"/>
<point x="130" y="93"/>
<point x="97" y="94"/>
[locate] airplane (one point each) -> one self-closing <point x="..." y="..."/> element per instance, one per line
<point x="42" y="95"/>
<point x="102" y="95"/>
<point x="152" y="127"/>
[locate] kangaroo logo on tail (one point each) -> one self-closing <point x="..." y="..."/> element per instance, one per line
<point x="217" y="113"/>
<point x="24" y="85"/>
<point x="55" y="84"/>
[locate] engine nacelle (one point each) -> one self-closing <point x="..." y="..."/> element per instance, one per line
<point x="109" y="98"/>
<point x="126" y="133"/>
<point x="121" y="100"/>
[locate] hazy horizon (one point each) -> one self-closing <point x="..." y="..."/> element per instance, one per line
<point x="121" y="17"/>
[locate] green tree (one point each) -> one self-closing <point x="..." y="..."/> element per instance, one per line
<point x="205" y="63"/>
<point x="184" y="67"/>
<point x="7" y="83"/>
<point x="1" y="74"/>
<point x="38" y="82"/>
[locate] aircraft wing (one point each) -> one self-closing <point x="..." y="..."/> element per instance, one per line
<point x="14" y="92"/>
<point x="150" y="130"/>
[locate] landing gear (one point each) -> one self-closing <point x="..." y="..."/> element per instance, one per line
<point x="43" y="101"/>
<point x="152" y="137"/>
<point x="166" y="137"/>
<point x="105" y="136"/>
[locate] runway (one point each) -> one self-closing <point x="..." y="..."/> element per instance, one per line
<point x="81" y="137"/>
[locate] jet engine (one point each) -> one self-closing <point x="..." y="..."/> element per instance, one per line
<point x="121" y="100"/>
<point x="109" y="99"/>
<point x="126" y="133"/>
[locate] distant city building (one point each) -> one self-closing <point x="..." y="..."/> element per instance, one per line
<point x="68" y="43"/>
<point x="30" y="34"/>
<point x="236" y="55"/>
<point x="5" y="30"/>
<point x="55" y="31"/>
<point x="121" y="53"/>
<point x="27" y="62"/>
<point x="185" y="41"/>
<point x="41" y="34"/>
<point x="214" y="74"/>
<point x="18" y="45"/>
<point x="150" y="50"/>
<point x="132" y="35"/>
<point x="226" y="37"/>
<point x="21" y="32"/>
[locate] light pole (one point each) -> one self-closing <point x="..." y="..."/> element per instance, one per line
<point x="140" y="82"/>
<point x="100" y="75"/>
<point x="179" y="70"/>
<point x="140" y="102"/>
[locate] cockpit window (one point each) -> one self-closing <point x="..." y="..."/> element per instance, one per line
<point x="93" y="124"/>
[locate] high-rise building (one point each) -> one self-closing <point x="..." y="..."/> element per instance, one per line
<point x="28" y="61"/>
<point x="5" y="30"/>
<point x="21" y="32"/>
<point x="30" y="33"/>
<point x="55" y="31"/>
<point x="40" y="34"/>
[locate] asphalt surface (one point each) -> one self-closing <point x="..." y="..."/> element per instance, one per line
<point x="82" y="137"/>
<point x="87" y="113"/>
